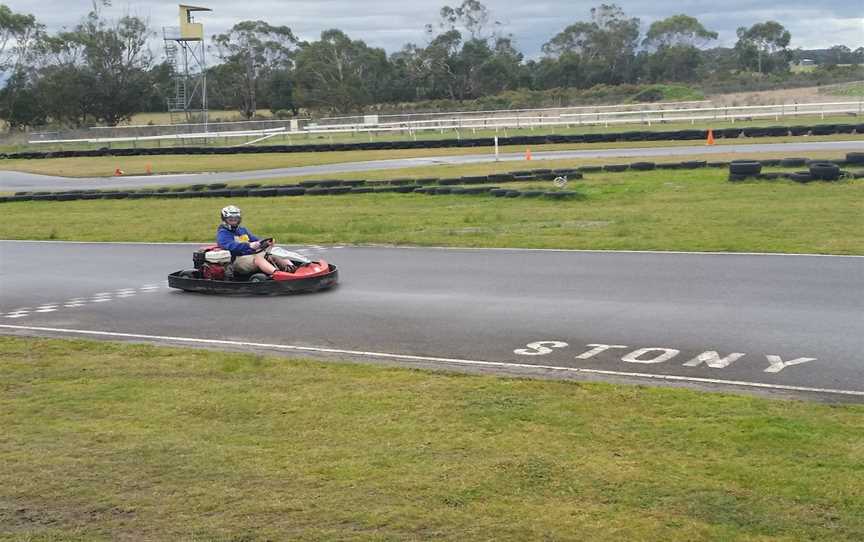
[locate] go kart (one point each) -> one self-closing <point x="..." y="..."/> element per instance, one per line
<point x="213" y="273"/>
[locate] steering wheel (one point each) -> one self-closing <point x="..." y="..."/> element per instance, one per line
<point x="264" y="244"/>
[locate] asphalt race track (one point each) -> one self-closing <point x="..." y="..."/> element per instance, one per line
<point x="12" y="181"/>
<point x="777" y="324"/>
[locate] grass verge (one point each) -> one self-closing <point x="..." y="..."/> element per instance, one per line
<point x="105" y="441"/>
<point x="104" y="166"/>
<point x="694" y="210"/>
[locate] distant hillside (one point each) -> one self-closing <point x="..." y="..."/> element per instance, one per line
<point x="837" y="55"/>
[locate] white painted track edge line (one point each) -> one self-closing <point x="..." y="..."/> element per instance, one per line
<point x="453" y="361"/>
<point x="479" y="249"/>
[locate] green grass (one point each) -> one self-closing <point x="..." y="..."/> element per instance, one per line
<point x="669" y="93"/>
<point x="104" y="166"/>
<point x="849" y="90"/>
<point x="694" y="210"/>
<point x="106" y="441"/>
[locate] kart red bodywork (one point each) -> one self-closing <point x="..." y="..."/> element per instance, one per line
<point x="211" y="278"/>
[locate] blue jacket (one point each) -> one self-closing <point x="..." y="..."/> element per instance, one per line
<point x="236" y="241"/>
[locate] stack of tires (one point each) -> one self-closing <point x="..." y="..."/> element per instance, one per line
<point x="740" y="170"/>
<point x="819" y="171"/>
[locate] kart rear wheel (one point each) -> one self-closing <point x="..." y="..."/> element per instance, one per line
<point x="258" y="277"/>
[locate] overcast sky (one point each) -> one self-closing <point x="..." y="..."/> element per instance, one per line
<point x="392" y="23"/>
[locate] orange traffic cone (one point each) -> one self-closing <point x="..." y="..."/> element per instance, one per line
<point x="148" y="169"/>
<point x="528" y="154"/>
<point x="710" y="137"/>
<point x="118" y="172"/>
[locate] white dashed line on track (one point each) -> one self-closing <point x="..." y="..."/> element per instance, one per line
<point x="77" y="302"/>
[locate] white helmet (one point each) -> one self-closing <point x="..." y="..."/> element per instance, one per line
<point x="231" y="212"/>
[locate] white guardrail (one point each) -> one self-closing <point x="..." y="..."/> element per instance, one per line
<point x="493" y="120"/>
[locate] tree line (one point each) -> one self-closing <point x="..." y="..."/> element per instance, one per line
<point x="103" y="71"/>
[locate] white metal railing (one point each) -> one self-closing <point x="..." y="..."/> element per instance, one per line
<point x="645" y="116"/>
<point x="540" y="111"/>
<point x="505" y="119"/>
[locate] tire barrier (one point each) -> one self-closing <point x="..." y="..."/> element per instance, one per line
<point x="739" y="170"/>
<point x="793" y="162"/>
<point x="693" y="164"/>
<point x="771" y="176"/>
<point x="674" y="135"/>
<point x="263" y="192"/>
<point x="290" y="191"/>
<point x="801" y="177"/>
<point x="823" y="171"/>
<point x="855" y="158"/>
<point x="745" y="167"/>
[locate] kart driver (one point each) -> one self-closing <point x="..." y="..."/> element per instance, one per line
<point x="246" y="249"/>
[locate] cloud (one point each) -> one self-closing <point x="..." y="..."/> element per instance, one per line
<point x="390" y="24"/>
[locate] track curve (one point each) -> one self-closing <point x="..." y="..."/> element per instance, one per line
<point x="11" y="181"/>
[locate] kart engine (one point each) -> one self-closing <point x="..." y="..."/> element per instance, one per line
<point x="213" y="271"/>
<point x="212" y="263"/>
